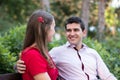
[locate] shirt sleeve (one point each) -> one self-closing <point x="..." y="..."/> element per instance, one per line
<point x="54" y="53"/>
<point x="36" y="63"/>
<point x="103" y="71"/>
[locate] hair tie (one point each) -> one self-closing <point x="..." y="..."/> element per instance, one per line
<point x="40" y="19"/>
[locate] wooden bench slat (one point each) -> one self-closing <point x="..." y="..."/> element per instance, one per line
<point x="10" y="76"/>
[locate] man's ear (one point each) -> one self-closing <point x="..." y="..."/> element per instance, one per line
<point x="85" y="33"/>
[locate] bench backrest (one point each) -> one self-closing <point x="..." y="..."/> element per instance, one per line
<point x="10" y="76"/>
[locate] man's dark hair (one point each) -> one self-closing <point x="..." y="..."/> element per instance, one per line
<point x="75" y="20"/>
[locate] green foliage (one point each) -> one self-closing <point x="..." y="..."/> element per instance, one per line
<point x="4" y="24"/>
<point x="62" y="9"/>
<point x="117" y="11"/>
<point x="16" y="11"/>
<point x="10" y="46"/>
<point x="110" y="17"/>
<point x="14" y="38"/>
<point x="6" y="60"/>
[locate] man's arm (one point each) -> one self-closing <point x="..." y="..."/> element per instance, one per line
<point x="103" y="71"/>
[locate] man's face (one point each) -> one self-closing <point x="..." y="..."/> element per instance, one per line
<point x="74" y="33"/>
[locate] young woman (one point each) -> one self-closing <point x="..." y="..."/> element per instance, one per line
<point x="39" y="31"/>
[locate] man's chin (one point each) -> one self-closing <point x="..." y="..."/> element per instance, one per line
<point x="72" y="43"/>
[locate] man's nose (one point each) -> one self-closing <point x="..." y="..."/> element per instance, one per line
<point x="72" y="32"/>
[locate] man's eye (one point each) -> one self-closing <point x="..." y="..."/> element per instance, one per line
<point x="68" y="30"/>
<point x="76" y="30"/>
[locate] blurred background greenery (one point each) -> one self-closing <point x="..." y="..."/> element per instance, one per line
<point x="101" y="18"/>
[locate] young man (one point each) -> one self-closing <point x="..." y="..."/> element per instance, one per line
<point x="75" y="60"/>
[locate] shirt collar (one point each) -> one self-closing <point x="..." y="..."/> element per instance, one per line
<point x="69" y="45"/>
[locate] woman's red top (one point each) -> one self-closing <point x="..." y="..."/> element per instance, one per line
<point x="36" y="63"/>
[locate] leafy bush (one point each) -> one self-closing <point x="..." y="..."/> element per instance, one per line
<point x="10" y="46"/>
<point x="6" y="60"/>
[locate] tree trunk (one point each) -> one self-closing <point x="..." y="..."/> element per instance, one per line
<point x="101" y="20"/>
<point x="45" y="5"/>
<point x="85" y="12"/>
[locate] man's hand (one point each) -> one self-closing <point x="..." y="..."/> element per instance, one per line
<point x="20" y="66"/>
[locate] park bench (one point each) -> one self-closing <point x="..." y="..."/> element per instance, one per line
<point x="10" y="76"/>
